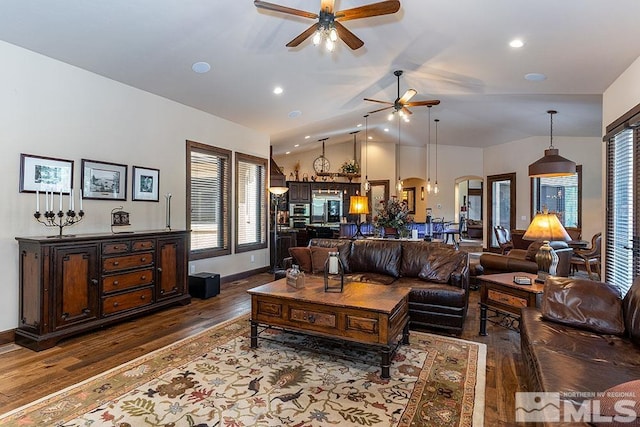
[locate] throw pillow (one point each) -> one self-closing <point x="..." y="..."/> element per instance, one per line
<point x="302" y="257"/>
<point x="438" y="268"/>
<point x="319" y="256"/>
<point x="620" y="404"/>
<point x="584" y="304"/>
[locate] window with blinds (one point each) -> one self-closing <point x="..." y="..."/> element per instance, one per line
<point x="251" y="203"/>
<point x="621" y="244"/>
<point x="561" y="195"/>
<point x="208" y="193"/>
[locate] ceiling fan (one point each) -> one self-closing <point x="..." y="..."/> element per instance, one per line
<point x="402" y="102"/>
<point x="328" y="25"/>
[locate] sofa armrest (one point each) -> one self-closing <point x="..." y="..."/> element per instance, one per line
<point x="518" y="254"/>
<point x="496" y="263"/>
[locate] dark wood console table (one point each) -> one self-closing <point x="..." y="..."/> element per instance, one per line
<point x="74" y="284"/>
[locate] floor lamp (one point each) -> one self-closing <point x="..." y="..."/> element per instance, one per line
<point x="358" y="205"/>
<point x="277" y="193"/>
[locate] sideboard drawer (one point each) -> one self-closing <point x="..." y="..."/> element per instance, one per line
<point x="127" y="301"/>
<point x="127" y="261"/>
<point x="124" y="281"/>
<point x="313" y="317"/>
<point x="142" y="245"/>
<point x="115" y="248"/>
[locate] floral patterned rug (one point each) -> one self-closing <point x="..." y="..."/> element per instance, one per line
<point x="215" y="379"/>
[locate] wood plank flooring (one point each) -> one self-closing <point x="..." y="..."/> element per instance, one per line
<point x="26" y="375"/>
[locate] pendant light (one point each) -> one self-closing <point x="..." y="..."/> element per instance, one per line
<point x="429" y="189"/>
<point x="367" y="184"/>
<point x="399" y="185"/>
<point x="435" y="187"/>
<point x="552" y="164"/>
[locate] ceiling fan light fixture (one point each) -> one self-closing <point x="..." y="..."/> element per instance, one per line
<point x="333" y="34"/>
<point x="329" y="45"/>
<point x="317" y="38"/>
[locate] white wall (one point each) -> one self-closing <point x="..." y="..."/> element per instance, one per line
<point x="49" y="108"/>
<point x="516" y="157"/>
<point x="622" y="95"/>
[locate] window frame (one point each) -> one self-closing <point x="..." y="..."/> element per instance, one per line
<point x="261" y="162"/>
<point x="225" y="177"/>
<point x="534" y="183"/>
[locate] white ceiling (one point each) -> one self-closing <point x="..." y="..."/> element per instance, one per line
<point x="453" y="50"/>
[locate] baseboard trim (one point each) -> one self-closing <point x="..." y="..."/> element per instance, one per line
<point x="7" y="337"/>
<point x="242" y="275"/>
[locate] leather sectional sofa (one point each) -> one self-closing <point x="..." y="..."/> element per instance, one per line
<point x="583" y="341"/>
<point x="437" y="274"/>
<point x="525" y="260"/>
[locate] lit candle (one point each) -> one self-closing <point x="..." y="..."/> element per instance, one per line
<point x="71" y="205"/>
<point x="80" y="198"/>
<point x="333" y="264"/>
<point x="51" y="194"/>
<point x="46" y="201"/>
<point x="37" y="201"/>
<point x="60" y="200"/>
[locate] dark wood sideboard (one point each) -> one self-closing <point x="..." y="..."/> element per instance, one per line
<point x="74" y="284"/>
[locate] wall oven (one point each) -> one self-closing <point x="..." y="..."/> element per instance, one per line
<point x="299" y="209"/>
<point x="298" y="221"/>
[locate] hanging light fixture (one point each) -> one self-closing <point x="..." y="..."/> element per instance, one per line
<point x="435" y="187"/>
<point x="552" y="164"/>
<point x="399" y="185"/>
<point x="429" y="189"/>
<point x="367" y="184"/>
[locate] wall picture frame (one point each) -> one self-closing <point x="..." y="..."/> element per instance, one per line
<point x="146" y="184"/>
<point x="103" y="180"/>
<point x="39" y="173"/>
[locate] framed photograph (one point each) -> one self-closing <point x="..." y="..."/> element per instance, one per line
<point x="39" y="173"/>
<point x="146" y="184"/>
<point x="101" y="180"/>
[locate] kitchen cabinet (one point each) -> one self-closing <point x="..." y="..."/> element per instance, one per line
<point x="299" y="192"/>
<point x="74" y="284"/>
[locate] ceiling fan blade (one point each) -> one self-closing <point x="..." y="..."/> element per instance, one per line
<point x="410" y="93"/>
<point x="327" y="5"/>
<point x="406" y="111"/>
<point x="420" y="103"/>
<point x="277" y="8"/>
<point x="303" y="36"/>
<point x="348" y="37"/>
<point x="381" y="102"/>
<point x="381" y="109"/>
<point x="375" y="9"/>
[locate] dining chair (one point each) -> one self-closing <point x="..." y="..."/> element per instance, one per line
<point x="503" y="239"/>
<point x="589" y="258"/>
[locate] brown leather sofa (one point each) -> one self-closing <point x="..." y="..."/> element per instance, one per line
<point x="525" y="261"/>
<point x="437" y="300"/>
<point x="583" y="340"/>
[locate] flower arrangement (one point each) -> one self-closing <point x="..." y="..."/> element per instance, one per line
<point x="350" y="167"/>
<point x="392" y="213"/>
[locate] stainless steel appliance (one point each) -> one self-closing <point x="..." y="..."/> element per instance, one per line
<point x="326" y="208"/>
<point x="299" y="209"/>
<point x="298" y="221"/>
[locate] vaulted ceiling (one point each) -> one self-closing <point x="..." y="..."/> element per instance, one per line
<point x="453" y="50"/>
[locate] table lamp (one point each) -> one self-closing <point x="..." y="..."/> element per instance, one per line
<point x="358" y="205"/>
<point x="546" y="226"/>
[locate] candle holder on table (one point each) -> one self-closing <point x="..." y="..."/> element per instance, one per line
<point x="59" y="219"/>
<point x="333" y="273"/>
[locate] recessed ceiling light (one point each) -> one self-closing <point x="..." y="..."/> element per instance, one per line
<point x="297" y="145"/>
<point x="386" y="129"/>
<point x="359" y="125"/>
<point x="277" y="90"/>
<point x="307" y="137"/>
<point x="200" y="67"/>
<point x="516" y="43"/>
<point x="370" y="137"/>
<point x="288" y="152"/>
<point x="294" y="114"/>
<point x="535" y="77"/>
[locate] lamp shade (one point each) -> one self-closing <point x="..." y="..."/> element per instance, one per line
<point x="546" y="226"/>
<point x="359" y="205"/>
<point x="552" y="164"/>
<point x="278" y="191"/>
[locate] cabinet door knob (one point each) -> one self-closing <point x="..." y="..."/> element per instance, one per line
<point x="142" y="296"/>
<point x="116" y="263"/>
<point x="161" y="291"/>
<point x="159" y="269"/>
<point x="115" y="304"/>
<point x="86" y="311"/>
<point x="94" y="281"/>
<point x="143" y="259"/>
<point x="143" y="277"/>
<point x="115" y="283"/>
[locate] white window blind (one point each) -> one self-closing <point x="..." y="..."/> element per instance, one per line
<point x="251" y="204"/>
<point x="620" y="215"/>
<point x="208" y="188"/>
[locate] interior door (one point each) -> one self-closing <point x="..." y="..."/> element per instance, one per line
<point x="501" y="205"/>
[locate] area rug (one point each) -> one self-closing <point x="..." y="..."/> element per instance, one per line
<point x="214" y="378"/>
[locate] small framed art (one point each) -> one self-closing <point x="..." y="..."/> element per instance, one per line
<point x="146" y="184"/>
<point x="102" y="180"/>
<point x="39" y="173"/>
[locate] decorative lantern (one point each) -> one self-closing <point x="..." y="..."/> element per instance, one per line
<point x="333" y="273"/>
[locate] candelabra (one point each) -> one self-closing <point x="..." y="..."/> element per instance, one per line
<point x="168" y="211"/>
<point x="59" y="219"/>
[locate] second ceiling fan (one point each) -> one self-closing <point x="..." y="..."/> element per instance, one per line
<point x="402" y="102"/>
<point x="328" y="25"/>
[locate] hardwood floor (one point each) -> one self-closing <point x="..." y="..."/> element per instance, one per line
<point x="27" y="375"/>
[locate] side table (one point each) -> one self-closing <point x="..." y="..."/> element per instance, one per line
<point x="500" y="295"/>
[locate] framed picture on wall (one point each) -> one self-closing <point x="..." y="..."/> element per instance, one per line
<point x="38" y="173"/>
<point x="146" y="184"/>
<point x="105" y="181"/>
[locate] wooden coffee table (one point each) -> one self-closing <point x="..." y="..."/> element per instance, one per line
<point x="500" y="295"/>
<point x="372" y="315"/>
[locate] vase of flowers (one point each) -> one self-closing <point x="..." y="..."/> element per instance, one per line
<point x="392" y="214"/>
